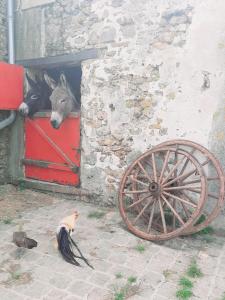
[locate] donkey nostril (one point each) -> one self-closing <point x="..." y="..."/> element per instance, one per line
<point x="54" y="124"/>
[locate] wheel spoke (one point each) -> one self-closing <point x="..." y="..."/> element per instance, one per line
<point x="173" y="169"/>
<point x="141" y="212"/>
<point x="182" y="187"/>
<point x="209" y="194"/>
<point x="174" y="218"/>
<point x="154" y="167"/>
<point x="186" y="163"/>
<point x="138" y="181"/>
<point x="162" y="216"/>
<point x="139" y="201"/>
<point x="180" y="199"/>
<point x="173" y="210"/>
<point x="192" y="181"/>
<point x="213" y="178"/>
<point x="164" y="165"/>
<point x="188" y="198"/>
<point x="136" y="192"/>
<point x="182" y="177"/>
<point x="151" y="217"/>
<point x="187" y="212"/>
<point x="144" y="171"/>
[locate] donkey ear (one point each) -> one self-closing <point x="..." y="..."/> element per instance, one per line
<point x="50" y="81"/>
<point x="31" y="82"/>
<point x="63" y="81"/>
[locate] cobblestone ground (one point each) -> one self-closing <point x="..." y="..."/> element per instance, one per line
<point x="123" y="263"/>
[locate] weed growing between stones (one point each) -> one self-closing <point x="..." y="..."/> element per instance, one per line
<point x="168" y="273"/>
<point x="186" y="285"/>
<point x="140" y="248"/>
<point x="185" y="282"/>
<point x="7" y="220"/>
<point x="184" y="294"/>
<point x="193" y="270"/>
<point x="96" y="214"/>
<point x="119" y="275"/>
<point x="129" y="289"/>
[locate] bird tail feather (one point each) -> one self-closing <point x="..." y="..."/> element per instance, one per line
<point x="65" y="247"/>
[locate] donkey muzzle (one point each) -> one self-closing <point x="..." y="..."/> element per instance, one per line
<point x="55" y="124"/>
<point x="56" y="119"/>
<point x="23" y="109"/>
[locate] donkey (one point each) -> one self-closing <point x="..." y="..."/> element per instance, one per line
<point x="62" y="98"/>
<point x="37" y="97"/>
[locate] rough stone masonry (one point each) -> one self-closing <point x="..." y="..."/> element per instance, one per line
<point x="159" y="75"/>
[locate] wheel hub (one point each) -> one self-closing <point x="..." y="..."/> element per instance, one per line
<point x="154" y="188"/>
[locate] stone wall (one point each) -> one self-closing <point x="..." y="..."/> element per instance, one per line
<point x="3" y="133"/>
<point x="160" y="75"/>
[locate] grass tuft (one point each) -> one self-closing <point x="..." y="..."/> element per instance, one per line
<point x="184" y="294"/>
<point x="119" y="275"/>
<point x="140" y="248"/>
<point x="201" y="220"/>
<point x="185" y="283"/>
<point x="119" y="296"/>
<point x="194" y="271"/>
<point x="7" y="220"/>
<point x="132" y="279"/>
<point x="127" y="290"/>
<point x="96" y="214"/>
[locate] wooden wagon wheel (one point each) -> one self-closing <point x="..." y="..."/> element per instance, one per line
<point x="214" y="201"/>
<point x="149" y="205"/>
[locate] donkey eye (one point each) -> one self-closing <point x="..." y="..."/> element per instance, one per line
<point x="34" y="97"/>
<point x="63" y="100"/>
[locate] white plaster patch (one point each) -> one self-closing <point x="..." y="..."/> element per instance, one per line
<point x="25" y="4"/>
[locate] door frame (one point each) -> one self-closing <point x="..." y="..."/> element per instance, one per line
<point x="16" y="137"/>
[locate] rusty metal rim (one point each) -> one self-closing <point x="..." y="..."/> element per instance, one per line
<point x="188" y="224"/>
<point x="219" y="170"/>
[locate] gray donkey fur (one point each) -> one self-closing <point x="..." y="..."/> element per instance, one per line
<point x="62" y="99"/>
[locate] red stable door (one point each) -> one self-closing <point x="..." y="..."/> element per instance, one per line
<point x="11" y="86"/>
<point x="52" y="155"/>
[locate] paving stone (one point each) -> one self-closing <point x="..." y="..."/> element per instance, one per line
<point x="101" y="265"/>
<point x="80" y="288"/>
<point x="100" y="278"/>
<point x="159" y="297"/>
<point x="159" y="267"/>
<point x="152" y="278"/>
<point x="168" y="290"/>
<point x="61" y="281"/>
<point x="5" y="294"/>
<point x="36" y="290"/>
<point x="55" y="295"/>
<point x="73" y="298"/>
<point x="98" y="293"/>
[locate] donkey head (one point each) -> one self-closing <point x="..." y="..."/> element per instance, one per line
<point x="62" y="99"/>
<point x="37" y="97"/>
